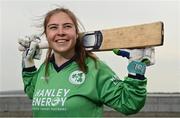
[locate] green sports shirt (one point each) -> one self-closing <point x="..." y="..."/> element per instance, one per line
<point x="70" y="92"/>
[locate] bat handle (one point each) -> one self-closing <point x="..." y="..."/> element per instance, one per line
<point x="122" y="53"/>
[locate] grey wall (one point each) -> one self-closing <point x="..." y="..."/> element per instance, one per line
<point x="157" y="105"/>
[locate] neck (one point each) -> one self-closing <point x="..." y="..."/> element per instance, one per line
<point x="61" y="58"/>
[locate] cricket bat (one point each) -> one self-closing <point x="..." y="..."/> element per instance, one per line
<point x="128" y="37"/>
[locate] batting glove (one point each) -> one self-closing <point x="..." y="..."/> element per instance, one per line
<point x="26" y="42"/>
<point x="138" y="59"/>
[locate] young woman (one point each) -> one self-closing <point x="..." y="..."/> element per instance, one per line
<point x="72" y="81"/>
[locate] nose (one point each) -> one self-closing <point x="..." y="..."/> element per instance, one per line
<point x="61" y="31"/>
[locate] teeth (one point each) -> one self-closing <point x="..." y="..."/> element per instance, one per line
<point x="61" y="41"/>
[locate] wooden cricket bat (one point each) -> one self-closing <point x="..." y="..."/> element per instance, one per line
<point x="137" y="36"/>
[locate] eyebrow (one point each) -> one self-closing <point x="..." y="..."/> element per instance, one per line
<point x="52" y="25"/>
<point x="58" y="24"/>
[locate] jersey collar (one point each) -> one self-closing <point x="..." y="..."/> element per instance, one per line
<point x="59" y="68"/>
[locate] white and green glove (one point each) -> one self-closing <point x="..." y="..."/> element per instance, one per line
<point x="31" y="52"/>
<point x="138" y="59"/>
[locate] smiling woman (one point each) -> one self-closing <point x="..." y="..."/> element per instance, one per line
<point x="17" y="20"/>
<point x="62" y="32"/>
<point x="71" y="76"/>
<point x="61" y="35"/>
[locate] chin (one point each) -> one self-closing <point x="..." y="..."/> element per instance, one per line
<point x="63" y="50"/>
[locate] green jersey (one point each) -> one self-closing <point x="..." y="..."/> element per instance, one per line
<point x="70" y="92"/>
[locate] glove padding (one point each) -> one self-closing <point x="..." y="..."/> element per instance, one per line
<point x="138" y="59"/>
<point x="30" y="43"/>
<point x="27" y="56"/>
<point x="26" y="42"/>
<point x="145" y="55"/>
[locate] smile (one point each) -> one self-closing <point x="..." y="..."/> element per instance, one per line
<point x="61" y="40"/>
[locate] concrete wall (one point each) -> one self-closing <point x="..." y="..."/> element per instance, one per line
<point x="157" y="105"/>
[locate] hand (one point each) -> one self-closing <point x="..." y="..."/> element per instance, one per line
<point x="145" y="55"/>
<point x="27" y="56"/>
<point x="26" y="42"/>
<point x="31" y="52"/>
<point x="138" y="59"/>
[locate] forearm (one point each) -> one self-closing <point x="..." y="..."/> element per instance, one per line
<point x="133" y="96"/>
<point x="29" y="80"/>
<point x="29" y="72"/>
<point x="128" y="96"/>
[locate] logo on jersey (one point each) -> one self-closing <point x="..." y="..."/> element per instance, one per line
<point x="77" y="77"/>
<point x="115" y="79"/>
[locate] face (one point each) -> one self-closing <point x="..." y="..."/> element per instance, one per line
<point x="61" y="33"/>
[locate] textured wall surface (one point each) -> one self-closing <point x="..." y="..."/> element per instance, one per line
<point x="157" y="105"/>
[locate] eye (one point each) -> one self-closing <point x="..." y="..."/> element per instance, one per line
<point x="67" y="26"/>
<point x="53" y="27"/>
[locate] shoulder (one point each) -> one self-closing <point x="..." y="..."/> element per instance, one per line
<point x="92" y="62"/>
<point x="41" y="68"/>
<point x="98" y="64"/>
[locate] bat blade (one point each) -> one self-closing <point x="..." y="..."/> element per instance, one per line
<point x="137" y="36"/>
